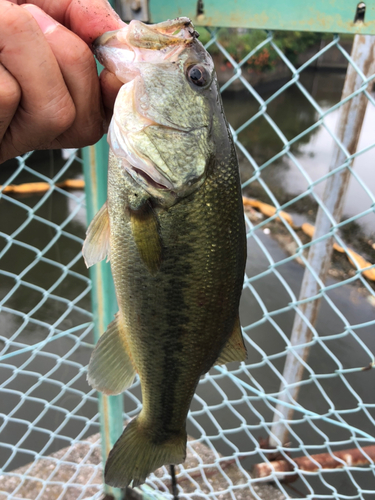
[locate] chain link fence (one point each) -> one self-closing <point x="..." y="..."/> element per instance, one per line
<point x="46" y="339"/>
<point x="311" y="436"/>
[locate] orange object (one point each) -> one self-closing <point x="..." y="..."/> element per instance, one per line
<point x="354" y="258"/>
<point x="353" y="457"/>
<point x="308" y="229"/>
<point x="72" y="184"/>
<point x="42" y="187"/>
<point x="32" y="187"/>
<point x="267" y="209"/>
<point x="362" y="263"/>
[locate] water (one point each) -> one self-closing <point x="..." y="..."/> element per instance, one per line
<point x="292" y="112"/>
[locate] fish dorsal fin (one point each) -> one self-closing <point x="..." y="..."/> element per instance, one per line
<point x="96" y="245"/>
<point x="234" y="349"/>
<point x="110" y="369"/>
<point x="146" y="234"/>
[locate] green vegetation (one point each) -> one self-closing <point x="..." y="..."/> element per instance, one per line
<point x="239" y="42"/>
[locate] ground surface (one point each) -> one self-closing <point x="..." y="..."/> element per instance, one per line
<point x="75" y="473"/>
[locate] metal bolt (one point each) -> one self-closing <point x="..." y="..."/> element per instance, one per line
<point x="136" y="5"/>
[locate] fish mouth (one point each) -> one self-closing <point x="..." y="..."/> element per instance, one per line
<point x="150" y="36"/>
<point x="140" y="42"/>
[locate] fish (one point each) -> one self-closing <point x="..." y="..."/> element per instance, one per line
<point x="173" y="230"/>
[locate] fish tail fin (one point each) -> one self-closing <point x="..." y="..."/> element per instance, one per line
<point x="135" y="455"/>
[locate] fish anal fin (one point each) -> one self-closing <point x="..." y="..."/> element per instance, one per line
<point x="111" y="370"/>
<point x="96" y="245"/>
<point x="234" y="349"/>
<point x="146" y="233"/>
<point x="138" y="452"/>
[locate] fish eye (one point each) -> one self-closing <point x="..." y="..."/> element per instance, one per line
<point x="198" y="75"/>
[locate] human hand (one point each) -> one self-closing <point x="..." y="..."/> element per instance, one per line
<point x="50" y="93"/>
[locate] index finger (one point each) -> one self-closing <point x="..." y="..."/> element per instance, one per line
<point x="87" y="18"/>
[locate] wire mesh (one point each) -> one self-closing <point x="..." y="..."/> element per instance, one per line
<point x="45" y="340"/>
<point x="285" y="130"/>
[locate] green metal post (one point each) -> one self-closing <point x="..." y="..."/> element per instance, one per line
<point x="104" y="303"/>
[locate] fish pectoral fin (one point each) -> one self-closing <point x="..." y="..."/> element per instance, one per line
<point x="96" y="245"/>
<point x="110" y="369"/>
<point x="146" y="233"/>
<point x="234" y="349"/>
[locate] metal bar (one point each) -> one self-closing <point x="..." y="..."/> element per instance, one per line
<point x="349" y="127"/>
<point x="335" y="16"/>
<point x="149" y="494"/>
<point x="132" y="9"/>
<point x="353" y="458"/>
<point x="104" y="303"/>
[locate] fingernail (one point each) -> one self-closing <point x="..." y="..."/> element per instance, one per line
<point x="46" y="23"/>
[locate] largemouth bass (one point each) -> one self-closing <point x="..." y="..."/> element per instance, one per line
<point x="173" y="229"/>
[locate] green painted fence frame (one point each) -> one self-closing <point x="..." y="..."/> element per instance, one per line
<point x="329" y="16"/>
<point x="103" y="297"/>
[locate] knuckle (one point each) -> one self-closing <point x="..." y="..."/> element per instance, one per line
<point x="79" y="54"/>
<point x="65" y="117"/>
<point x="60" y="116"/>
<point x="10" y="92"/>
